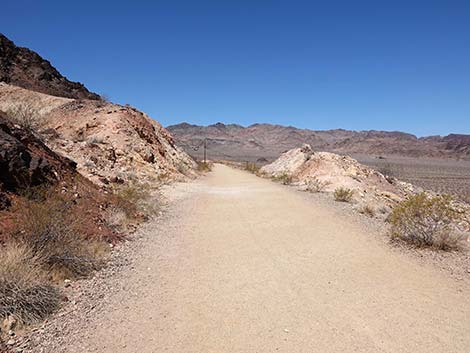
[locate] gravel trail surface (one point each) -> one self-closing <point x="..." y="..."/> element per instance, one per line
<point x="246" y="265"/>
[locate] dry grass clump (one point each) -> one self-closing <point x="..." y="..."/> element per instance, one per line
<point x="428" y="221"/>
<point x="52" y="233"/>
<point x="128" y="199"/>
<point x="343" y="194"/>
<point x="25" y="293"/>
<point x="136" y="202"/>
<point x="316" y="185"/>
<point x="283" y="178"/>
<point x="49" y="240"/>
<point x="367" y="210"/>
<point x="204" y="167"/>
<point x="251" y="167"/>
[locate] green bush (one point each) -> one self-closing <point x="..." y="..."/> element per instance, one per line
<point x="427" y="221"/>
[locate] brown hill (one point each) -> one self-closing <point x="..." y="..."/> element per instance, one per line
<point x="268" y="141"/>
<point x="25" y="68"/>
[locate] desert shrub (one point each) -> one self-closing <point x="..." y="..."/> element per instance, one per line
<point x="316" y="185"/>
<point x="25" y="292"/>
<point x="128" y="199"/>
<point x="204" y="167"/>
<point x="182" y="168"/>
<point x="135" y="201"/>
<point x="367" y="210"/>
<point x="343" y="194"/>
<point x="25" y="115"/>
<point x="429" y="221"/>
<point x="38" y="193"/>
<point x="251" y="167"/>
<point x="52" y="233"/>
<point x="283" y="178"/>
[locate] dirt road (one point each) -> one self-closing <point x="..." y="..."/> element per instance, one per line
<point x="252" y="266"/>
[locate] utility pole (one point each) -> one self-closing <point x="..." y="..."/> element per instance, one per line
<point x="205" y="147"/>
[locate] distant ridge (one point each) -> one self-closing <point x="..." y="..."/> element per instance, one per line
<point x="257" y="141"/>
<point x="25" y="68"/>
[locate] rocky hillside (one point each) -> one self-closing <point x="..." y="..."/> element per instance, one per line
<point x="110" y="143"/>
<point x="25" y="68"/>
<point x="27" y="166"/>
<point x="266" y="141"/>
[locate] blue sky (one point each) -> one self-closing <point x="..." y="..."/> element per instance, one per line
<point x="388" y="65"/>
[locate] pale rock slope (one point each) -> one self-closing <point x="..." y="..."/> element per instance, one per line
<point x="335" y="171"/>
<point x="110" y="143"/>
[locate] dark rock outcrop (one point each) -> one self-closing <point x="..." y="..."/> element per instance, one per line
<point x="25" y="68"/>
<point x="25" y="161"/>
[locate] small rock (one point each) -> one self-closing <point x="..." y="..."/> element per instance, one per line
<point x="11" y="342"/>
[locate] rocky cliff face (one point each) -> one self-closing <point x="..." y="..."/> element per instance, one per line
<point x="236" y="142"/>
<point x="25" y="68"/>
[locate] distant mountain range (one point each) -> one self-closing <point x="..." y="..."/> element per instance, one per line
<point x="267" y="141"/>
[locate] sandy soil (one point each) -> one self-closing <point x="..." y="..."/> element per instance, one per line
<point x="247" y="265"/>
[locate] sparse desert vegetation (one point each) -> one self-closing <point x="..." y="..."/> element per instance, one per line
<point x="26" y="294"/>
<point x="51" y="230"/>
<point x="316" y="185"/>
<point x="284" y="178"/>
<point x="368" y="210"/>
<point x="203" y="167"/>
<point x="251" y="167"/>
<point x="343" y="194"/>
<point x="430" y="221"/>
<point x="134" y="203"/>
<point x="48" y="244"/>
<point x="26" y="115"/>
